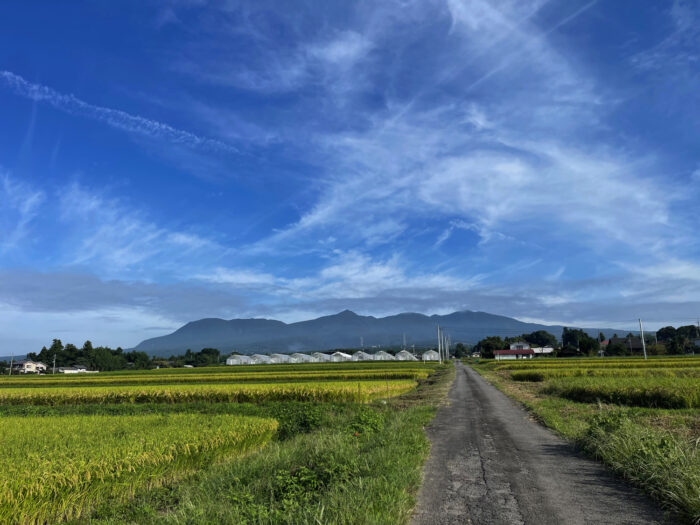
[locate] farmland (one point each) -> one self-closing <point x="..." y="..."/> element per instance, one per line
<point x="638" y="416"/>
<point x="273" y="444"/>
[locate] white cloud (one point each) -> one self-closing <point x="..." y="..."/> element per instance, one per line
<point x="19" y="205"/>
<point x="112" y="117"/>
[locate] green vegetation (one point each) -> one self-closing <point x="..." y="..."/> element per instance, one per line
<point x="59" y="467"/>
<point x="326" y="458"/>
<point x="638" y="416"/>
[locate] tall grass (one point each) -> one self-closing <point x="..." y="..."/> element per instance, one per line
<point x="58" y="468"/>
<point x="660" y="462"/>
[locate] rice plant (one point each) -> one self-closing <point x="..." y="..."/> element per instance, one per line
<point x="57" y="467"/>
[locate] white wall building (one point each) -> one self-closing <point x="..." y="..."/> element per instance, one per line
<point x="280" y="358"/>
<point x="340" y="356"/>
<point x="383" y="356"/>
<point x="322" y="358"/>
<point x="543" y="351"/>
<point x="519" y="345"/>
<point x="405" y="355"/>
<point x="362" y="356"/>
<point x="27" y="366"/>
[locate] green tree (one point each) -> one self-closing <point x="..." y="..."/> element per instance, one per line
<point x="540" y="338"/>
<point x="666" y="333"/>
<point x="461" y="350"/>
<point x="487" y="346"/>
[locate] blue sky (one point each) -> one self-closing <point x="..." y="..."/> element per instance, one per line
<point x="166" y="161"/>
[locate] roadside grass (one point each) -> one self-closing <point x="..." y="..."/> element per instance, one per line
<point x="653" y="447"/>
<point x="343" y="463"/>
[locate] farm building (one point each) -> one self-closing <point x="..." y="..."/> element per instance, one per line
<point x="302" y="358"/>
<point x="239" y="360"/>
<point x="521" y="353"/>
<point x="260" y="359"/>
<point x="430" y="355"/>
<point x="362" y="356"/>
<point x="280" y="358"/>
<point x="383" y="356"/>
<point x="27" y="366"/>
<point x="321" y="357"/>
<point x="77" y="369"/>
<point x="340" y="356"/>
<point x="405" y="355"/>
<point x="544" y="351"/>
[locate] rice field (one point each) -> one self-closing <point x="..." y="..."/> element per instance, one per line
<point x="334" y="391"/>
<point x="653" y="383"/>
<point x="57" y="468"/>
<point x="196" y="377"/>
<point x="94" y="439"/>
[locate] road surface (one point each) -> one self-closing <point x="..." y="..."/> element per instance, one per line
<point x="491" y="464"/>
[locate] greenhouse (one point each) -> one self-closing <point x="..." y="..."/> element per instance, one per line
<point x="405" y="355"/>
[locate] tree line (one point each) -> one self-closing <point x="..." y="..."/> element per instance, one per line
<point x="576" y="342"/>
<point x="106" y="359"/>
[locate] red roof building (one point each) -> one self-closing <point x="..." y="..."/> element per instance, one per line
<point x="523" y="353"/>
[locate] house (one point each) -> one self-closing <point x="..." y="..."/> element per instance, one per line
<point x="321" y="357"/>
<point x="519" y="345"/>
<point x="280" y="358"/>
<point x="239" y="360"/>
<point x="632" y="344"/>
<point x="543" y="351"/>
<point x="430" y="355"/>
<point x="383" y="356"/>
<point x="27" y="366"/>
<point x="260" y="359"/>
<point x="514" y="353"/>
<point x="405" y="355"/>
<point x="340" y="356"/>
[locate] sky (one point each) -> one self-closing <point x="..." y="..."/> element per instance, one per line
<point x="165" y="161"/>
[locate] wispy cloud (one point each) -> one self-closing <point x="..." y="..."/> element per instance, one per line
<point x="106" y="231"/>
<point x="114" y="118"/>
<point x="19" y="205"/>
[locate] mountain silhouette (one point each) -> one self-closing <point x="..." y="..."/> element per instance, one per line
<point x="342" y="330"/>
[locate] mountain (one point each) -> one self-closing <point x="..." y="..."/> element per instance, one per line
<point x="342" y="330"/>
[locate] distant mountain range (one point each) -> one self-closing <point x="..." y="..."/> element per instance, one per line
<point x="342" y="330"/>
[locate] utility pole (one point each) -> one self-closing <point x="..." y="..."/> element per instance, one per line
<point x="644" y="345"/>
<point x="439" y="344"/>
<point x="54" y="364"/>
<point x="362" y="342"/>
<point x="12" y="358"/>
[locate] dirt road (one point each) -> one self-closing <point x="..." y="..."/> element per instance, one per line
<point x="491" y="464"/>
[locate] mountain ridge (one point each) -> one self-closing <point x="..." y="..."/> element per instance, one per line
<point x="341" y="330"/>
